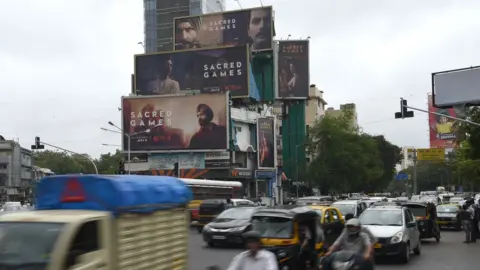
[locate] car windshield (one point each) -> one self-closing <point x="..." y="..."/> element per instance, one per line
<point x="456" y="199"/>
<point x="447" y="209"/>
<point x="418" y="211"/>
<point x="382" y="218"/>
<point x="345" y="208"/>
<point x="27" y="243"/>
<point x="236" y="213"/>
<point x="273" y="227"/>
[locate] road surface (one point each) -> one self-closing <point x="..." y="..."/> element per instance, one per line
<point x="449" y="254"/>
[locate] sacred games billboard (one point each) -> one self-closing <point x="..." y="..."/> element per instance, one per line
<point x="201" y="71"/>
<point x="252" y="27"/>
<point x="195" y="123"/>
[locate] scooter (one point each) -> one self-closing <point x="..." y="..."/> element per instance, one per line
<point x="345" y="260"/>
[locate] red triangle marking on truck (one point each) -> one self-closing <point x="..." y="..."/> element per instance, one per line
<point x="73" y="191"/>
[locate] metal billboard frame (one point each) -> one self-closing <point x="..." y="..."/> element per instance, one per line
<point x="451" y="71"/>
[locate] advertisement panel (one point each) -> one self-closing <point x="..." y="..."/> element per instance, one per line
<point x="266" y="142"/>
<point x="456" y="87"/>
<point x="199" y="71"/>
<point x="252" y="27"/>
<point x="184" y="160"/>
<point x="293" y="69"/>
<point x="175" y="123"/>
<point x="442" y="130"/>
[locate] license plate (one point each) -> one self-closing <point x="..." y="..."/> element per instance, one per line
<point x="378" y="245"/>
<point x="218" y="237"/>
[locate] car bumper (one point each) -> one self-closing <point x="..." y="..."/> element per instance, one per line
<point x="452" y="223"/>
<point x="223" y="237"/>
<point x="389" y="249"/>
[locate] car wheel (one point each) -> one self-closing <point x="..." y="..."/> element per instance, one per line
<point x="418" y="249"/>
<point x="199" y="229"/>
<point x="406" y="254"/>
<point x="210" y="244"/>
<point x="437" y="238"/>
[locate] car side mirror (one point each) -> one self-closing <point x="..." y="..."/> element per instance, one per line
<point x="348" y="216"/>
<point x="412" y="224"/>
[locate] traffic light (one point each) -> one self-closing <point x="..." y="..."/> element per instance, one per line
<point x="404" y="112"/>
<point x="38" y="145"/>
<point x="176" y="170"/>
<point x="121" y="168"/>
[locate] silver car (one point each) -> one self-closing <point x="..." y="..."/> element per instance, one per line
<point x="396" y="231"/>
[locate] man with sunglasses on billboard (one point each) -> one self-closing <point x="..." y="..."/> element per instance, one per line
<point x="260" y="29"/>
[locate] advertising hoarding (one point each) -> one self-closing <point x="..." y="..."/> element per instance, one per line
<point x="199" y="71"/>
<point x="252" y="27"/>
<point x="442" y="130"/>
<point x="196" y="123"/>
<point x="456" y="87"/>
<point x="293" y="78"/>
<point x="266" y="147"/>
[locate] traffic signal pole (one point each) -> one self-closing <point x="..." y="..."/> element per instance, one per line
<point x="66" y="150"/>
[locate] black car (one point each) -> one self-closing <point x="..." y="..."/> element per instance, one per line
<point x="228" y="227"/>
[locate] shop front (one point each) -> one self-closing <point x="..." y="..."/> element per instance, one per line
<point x="245" y="176"/>
<point x="265" y="183"/>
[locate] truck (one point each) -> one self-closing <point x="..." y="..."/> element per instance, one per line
<point x="106" y="222"/>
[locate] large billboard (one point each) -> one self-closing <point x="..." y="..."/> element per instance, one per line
<point x="234" y="28"/>
<point x="194" y="123"/>
<point x="456" y="87"/>
<point x="442" y="129"/>
<point x="198" y="71"/>
<point x="266" y="147"/>
<point x="293" y="69"/>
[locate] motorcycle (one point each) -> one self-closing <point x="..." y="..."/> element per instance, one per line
<point x="345" y="260"/>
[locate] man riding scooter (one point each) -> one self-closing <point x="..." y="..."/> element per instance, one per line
<point x="355" y="241"/>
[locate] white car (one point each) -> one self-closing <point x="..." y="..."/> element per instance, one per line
<point x="396" y="231"/>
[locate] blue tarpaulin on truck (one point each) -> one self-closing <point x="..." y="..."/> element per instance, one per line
<point x="114" y="193"/>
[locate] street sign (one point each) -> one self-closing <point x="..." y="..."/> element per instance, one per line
<point x="431" y="154"/>
<point x="401" y="176"/>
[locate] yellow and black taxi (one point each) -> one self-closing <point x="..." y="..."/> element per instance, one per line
<point x="281" y="229"/>
<point x="447" y="216"/>
<point x="331" y="221"/>
<point x="426" y="216"/>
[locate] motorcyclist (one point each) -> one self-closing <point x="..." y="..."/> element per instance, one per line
<point x="354" y="240"/>
<point x="255" y="258"/>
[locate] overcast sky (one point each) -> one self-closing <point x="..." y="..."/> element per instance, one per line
<point x="65" y="64"/>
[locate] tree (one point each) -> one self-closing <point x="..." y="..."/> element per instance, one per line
<point x="342" y="159"/>
<point x="390" y="155"/>
<point x="470" y="133"/>
<point x="64" y="163"/>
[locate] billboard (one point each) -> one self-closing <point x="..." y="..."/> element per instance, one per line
<point x="252" y="27"/>
<point x="195" y="123"/>
<point x="442" y="130"/>
<point x="456" y="87"/>
<point x="293" y="78"/>
<point x="200" y="71"/>
<point x="266" y="147"/>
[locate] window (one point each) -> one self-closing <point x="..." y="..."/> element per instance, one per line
<point x="335" y="215"/>
<point x="327" y="217"/>
<point x="408" y="219"/>
<point x="238" y="129"/>
<point x="280" y="130"/>
<point x="85" y="241"/>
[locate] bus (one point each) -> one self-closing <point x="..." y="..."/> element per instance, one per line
<point x="203" y="189"/>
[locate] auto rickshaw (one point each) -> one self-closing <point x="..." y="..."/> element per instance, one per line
<point x="208" y="210"/>
<point x="280" y="228"/>
<point x="426" y="216"/>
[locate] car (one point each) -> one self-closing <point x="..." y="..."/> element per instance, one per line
<point x="242" y="202"/>
<point x="228" y="226"/>
<point x="315" y="200"/>
<point x="331" y="221"/>
<point x="396" y="231"/>
<point x="456" y="200"/>
<point x="352" y="207"/>
<point x="447" y="216"/>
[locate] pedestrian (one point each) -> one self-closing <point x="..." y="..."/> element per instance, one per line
<point x="464" y="216"/>
<point x="472" y="210"/>
<point x="255" y="258"/>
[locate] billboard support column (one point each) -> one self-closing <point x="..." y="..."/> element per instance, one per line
<point x="415" y="186"/>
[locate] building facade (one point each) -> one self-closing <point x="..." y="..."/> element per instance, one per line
<point x="159" y="15"/>
<point x="15" y="169"/>
<point x="315" y="106"/>
<point x="343" y="108"/>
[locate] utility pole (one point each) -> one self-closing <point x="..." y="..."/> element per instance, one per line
<point x="415" y="186"/>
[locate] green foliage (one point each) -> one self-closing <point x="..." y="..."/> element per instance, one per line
<point x="344" y="160"/>
<point x="63" y="163"/>
<point x="470" y="133"/>
<point x="390" y="155"/>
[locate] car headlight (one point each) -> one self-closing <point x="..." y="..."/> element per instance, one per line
<point x="206" y="228"/>
<point x="238" y="229"/>
<point x="397" y="238"/>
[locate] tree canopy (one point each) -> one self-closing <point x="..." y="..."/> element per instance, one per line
<point x="63" y="163"/>
<point x="346" y="160"/>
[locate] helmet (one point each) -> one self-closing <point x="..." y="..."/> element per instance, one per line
<point x="353" y="226"/>
<point x="252" y="236"/>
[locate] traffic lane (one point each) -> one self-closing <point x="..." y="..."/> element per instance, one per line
<point x="449" y="254"/>
<point x="201" y="256"/>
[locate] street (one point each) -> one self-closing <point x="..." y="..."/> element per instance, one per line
<point x="449" y="254"/>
